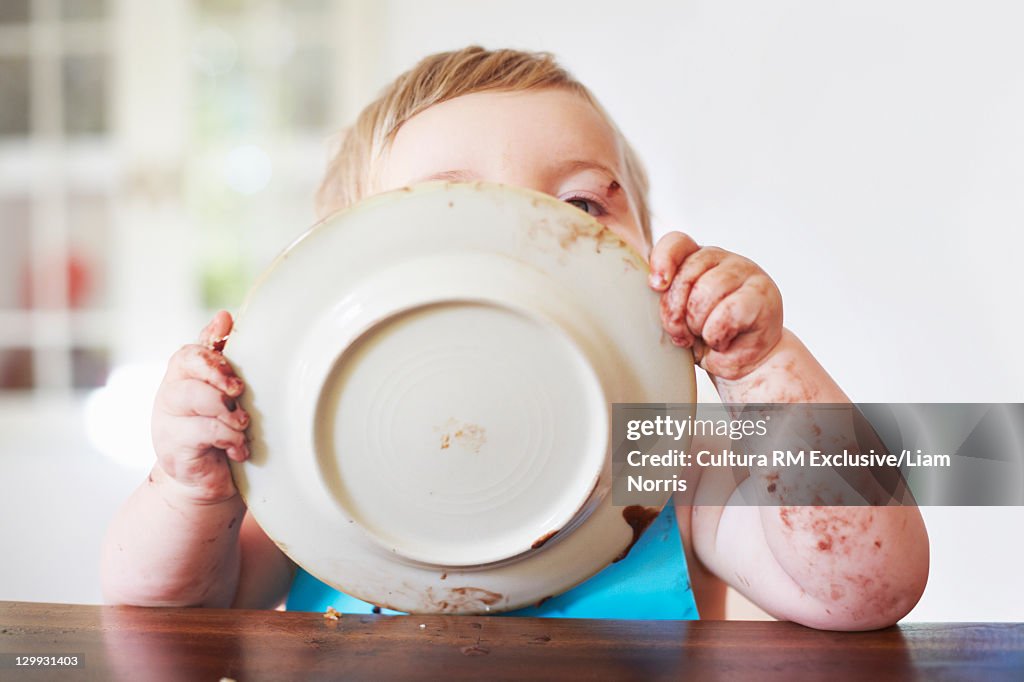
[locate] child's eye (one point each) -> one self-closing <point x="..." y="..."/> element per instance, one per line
<point x="587" y="205"/>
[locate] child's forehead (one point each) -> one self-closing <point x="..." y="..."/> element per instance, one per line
<point x="553" y="124"/>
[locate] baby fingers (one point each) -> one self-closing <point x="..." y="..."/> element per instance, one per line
<point x="216" y="333"/>
<point x="675" y="300"/>
<point x="746" y="309"/>
<point x="195" y="398"/>
<point x="731" y="317"/>
<point x="196" y="436"/>
<point x="198" y="362"/>
<point x="666" y="257"/>
<point x="712" y="287"/>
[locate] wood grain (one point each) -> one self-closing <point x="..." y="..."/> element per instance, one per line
<point x="126" y="643"/>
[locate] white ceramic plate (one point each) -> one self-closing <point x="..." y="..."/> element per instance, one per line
<point x="430" y="377"/>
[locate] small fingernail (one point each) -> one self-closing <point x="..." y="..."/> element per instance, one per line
<point x="680" y="341"/>
<point x="229" y="403"/>
<point x="657" y="280"/>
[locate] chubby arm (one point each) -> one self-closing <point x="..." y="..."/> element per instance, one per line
<point x="164" y="548"/>
<point x="839" y="567"/>
<point x="183" y="538"/>
<point x="829" y="567"/>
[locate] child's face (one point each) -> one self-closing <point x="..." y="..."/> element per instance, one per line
<point x="551" y="141"/>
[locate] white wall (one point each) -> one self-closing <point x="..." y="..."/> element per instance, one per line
<point x="868" y="154"/>
<point x="56" y="502"/>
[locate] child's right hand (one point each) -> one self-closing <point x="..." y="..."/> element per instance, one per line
<point x="197" y="422"/>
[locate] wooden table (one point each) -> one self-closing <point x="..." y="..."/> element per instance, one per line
<point x="124" y="643"/>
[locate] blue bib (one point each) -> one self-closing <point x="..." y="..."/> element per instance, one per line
<point x="651" y="583"/>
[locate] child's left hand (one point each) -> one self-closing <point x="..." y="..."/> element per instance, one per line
<point x="723" y="306"/>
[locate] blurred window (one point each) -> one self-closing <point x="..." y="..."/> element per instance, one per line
<point x="57" y="170"/>
<point x="154" y="158"/>
<point x="14" y="93"/>
<point x="14" y="11"/>
<point x="264" y="75"/>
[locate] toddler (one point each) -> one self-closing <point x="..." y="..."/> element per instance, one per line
<point x="184" y="537"/>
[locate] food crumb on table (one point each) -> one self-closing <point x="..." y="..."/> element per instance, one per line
<point x="332" y="613"/>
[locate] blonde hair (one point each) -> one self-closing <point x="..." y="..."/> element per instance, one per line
<point x="441" y="77"/>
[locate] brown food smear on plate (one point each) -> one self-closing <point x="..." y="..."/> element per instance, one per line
<point x="638" y="518"/>
<point x="478" y="594"/>
<point x="543" y="539"/>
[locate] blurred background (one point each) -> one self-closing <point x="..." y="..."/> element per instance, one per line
<point x="155" y="156"/>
